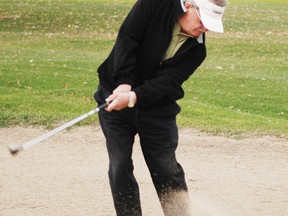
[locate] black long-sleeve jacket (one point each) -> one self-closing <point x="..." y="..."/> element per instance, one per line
<point x="137" y="56"/>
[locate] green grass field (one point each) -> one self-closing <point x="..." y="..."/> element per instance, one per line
<point x="50" y="51"/>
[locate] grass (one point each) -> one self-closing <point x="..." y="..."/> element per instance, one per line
<point x="49" y="56"/>
<point x="50" y="51"/>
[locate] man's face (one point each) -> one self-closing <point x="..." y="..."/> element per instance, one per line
<point x="190" y="22"/>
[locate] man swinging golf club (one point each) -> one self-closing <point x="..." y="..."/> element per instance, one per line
<point x="160" y="44"/>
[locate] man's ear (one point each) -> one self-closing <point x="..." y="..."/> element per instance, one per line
<point x="188" y="5"/>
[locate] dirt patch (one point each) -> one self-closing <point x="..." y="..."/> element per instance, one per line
<point x="67" y="174"/>
<point x="10" y="17"/>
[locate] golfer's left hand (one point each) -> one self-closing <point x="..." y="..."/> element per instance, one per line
<point x="123" y="88"/>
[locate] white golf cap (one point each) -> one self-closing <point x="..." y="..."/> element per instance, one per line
<point x="211" y="14"/>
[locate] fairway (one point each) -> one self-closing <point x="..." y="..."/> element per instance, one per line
<point x="50" y="52"/>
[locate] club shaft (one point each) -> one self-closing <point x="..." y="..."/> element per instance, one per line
<point x="60" y="128"/>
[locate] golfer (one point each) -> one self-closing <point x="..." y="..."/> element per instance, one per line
<point x="159" y="45"/>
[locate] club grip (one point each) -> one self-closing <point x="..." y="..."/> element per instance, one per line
<point x="102" y="106"/>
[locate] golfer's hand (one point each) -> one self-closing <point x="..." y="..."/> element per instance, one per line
<point x="123" y="88"/>
<point x="119" y="99"/>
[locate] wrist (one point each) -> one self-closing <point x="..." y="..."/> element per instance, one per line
<point x="131" y="99"/>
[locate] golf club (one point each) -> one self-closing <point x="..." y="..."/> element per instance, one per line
<point x="14" y="148"/>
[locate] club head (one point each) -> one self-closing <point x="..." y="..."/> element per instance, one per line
<point x="14" y="149"/>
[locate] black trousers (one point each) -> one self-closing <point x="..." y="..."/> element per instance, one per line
<point x="158" y="135"/>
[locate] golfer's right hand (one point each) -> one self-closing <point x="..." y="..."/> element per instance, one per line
<point x="117" y="101"/>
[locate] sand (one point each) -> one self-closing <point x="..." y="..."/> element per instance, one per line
<point x="67" y="174"/>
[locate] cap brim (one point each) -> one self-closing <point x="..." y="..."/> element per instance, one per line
<point x="212" y="24"/>
<point x="211" y="15"/>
